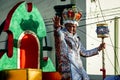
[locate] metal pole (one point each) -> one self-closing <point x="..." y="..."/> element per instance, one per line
<point x="102" y="30"/>
<point x="103" y="62"/>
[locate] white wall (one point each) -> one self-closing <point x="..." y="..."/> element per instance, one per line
<point x="110" y="9"/>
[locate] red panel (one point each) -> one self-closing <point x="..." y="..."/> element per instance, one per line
<point x="29" y="52"/>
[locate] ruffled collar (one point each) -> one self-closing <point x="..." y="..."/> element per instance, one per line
<point x="70" y="34"/>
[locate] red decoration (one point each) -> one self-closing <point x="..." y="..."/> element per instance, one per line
<point x="9" y="44"/>
<point x="1" y="54"/>
<point x="78" y="16"/>
<point x="69" y="13"/>
<point x="72" y="14"/>
<point x="29" y="7"/>
<point x="45" y="58"/>
<point x="51" y="76"/>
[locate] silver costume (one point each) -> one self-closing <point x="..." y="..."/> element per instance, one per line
<point x="70" y="55"/>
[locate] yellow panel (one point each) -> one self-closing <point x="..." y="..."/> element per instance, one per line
<point x="34" y="74"/>
<point x="17" y="74"/>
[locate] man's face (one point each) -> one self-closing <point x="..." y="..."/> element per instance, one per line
<point x="71" y="27"/>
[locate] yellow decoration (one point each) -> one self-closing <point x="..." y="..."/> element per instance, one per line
<point x="24" y="74"/>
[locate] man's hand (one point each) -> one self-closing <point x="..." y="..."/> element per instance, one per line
<point x="56" y="22"/>
<point x="101" y="46"/>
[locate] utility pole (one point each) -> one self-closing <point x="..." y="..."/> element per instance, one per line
<point x="116" y="39"/>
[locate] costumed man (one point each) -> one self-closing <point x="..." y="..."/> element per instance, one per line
<point x="71" y="48"/>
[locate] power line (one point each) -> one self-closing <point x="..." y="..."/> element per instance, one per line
<point x="117" y="9"/>
<point x="49" y="21"/>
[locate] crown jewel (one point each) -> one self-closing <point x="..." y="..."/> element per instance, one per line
<point x="72" y="14"/>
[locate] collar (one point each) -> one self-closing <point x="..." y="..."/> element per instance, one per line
<point x="69" y="34"/>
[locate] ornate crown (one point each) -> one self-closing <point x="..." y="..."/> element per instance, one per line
<point x="72" y="14"/>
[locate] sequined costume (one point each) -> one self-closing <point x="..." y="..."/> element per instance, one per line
<point x="70" y="51"/>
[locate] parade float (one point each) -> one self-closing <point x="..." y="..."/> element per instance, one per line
<point x="22" y="57"/>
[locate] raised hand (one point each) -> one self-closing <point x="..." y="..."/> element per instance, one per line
<point x="56" y="22"/>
